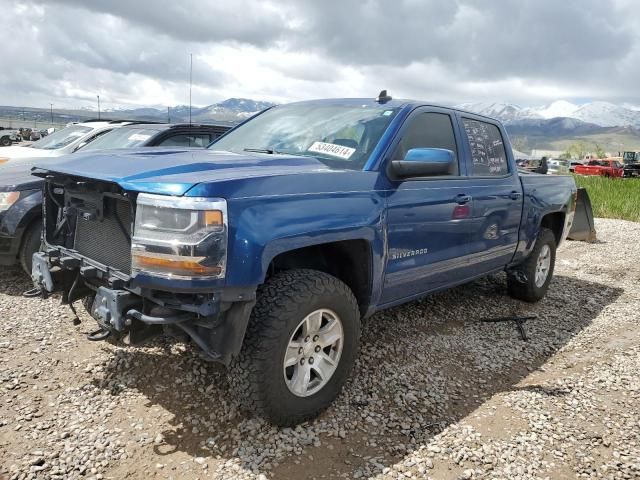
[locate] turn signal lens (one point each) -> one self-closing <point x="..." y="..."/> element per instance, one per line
<point x="213" y="218"/>
<point x="173" y="265"/>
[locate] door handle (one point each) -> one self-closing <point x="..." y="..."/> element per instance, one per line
<point x="515" y="195"/>
<point x="463" y="198"/>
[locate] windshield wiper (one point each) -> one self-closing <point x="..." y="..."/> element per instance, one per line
<point x="260" y="150"/>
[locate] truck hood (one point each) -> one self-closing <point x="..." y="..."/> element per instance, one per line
<point x="18" y="152"/>
<point x="175" y="171"/>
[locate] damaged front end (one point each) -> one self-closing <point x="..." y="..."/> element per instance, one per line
<point x="141" y="263"/>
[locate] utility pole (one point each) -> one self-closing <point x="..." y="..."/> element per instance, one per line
<point x="190" y="83"/>
<point x="98" y="106"/>
<point x="168" y="116"/>
<point x="51" y="105"/>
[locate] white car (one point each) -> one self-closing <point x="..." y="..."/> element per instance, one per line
<point x="61" y="142"/>
<point x="558" y="166"/>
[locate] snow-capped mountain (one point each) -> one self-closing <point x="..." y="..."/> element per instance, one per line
<point x="608" y="115"/>
<point x="240" y="108"/>
<point x="559" y="108"/>
<point x="232" y="109"/>
<point x="505" y="112"/>
<point x="603" y="114"/>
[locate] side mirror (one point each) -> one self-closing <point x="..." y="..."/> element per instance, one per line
<point x="424" y="162"/>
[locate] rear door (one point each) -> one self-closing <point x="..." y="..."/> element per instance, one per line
<point x="427" y="218"/>
<point x="496" y="194"/>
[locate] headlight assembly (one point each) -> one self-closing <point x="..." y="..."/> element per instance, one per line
<point x="7" y="199"/>
<point x="180" y="237"/>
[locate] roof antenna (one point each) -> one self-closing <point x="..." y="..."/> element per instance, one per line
<point x="383" y="97"/>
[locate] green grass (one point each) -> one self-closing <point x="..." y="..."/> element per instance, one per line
<point x="613" y="197"/>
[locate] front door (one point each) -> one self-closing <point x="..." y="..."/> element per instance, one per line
<point x="428" y="219"/>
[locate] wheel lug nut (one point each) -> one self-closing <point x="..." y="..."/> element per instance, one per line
<point x="316" y="337"/>
<point x="306" y="339"/>
<point x="302" y="362"/>
<point x="317" y="349"/>
<point x="311" y="361"/>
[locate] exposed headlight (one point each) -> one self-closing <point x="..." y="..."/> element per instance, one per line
<point x="180" y="237"/>
<point x="7" y="199"/>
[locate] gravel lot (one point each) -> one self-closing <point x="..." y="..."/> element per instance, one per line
<point x="436" y="393"/>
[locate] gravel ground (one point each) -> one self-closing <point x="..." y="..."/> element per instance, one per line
<point x="436" y="393"/>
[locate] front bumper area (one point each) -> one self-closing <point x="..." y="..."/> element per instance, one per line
<point x="215" y="321"/>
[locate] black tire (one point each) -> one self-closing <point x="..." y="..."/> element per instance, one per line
<point x="256" y="376"/>
<point x="521" y="282"/>
<point x="5" y="141"/>
<point x="31" y="243"/>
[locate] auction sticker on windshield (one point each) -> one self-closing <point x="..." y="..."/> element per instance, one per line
<point x="332" y="149"/>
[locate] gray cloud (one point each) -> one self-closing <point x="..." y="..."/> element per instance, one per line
<point x="253" y="22"/>
<point x="137" y="52"/>
<point x="484" y="38"/>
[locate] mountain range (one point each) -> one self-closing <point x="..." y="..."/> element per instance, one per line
<point x="577" y="118"/>
<point x="555" y="126"/>
<point x="561" y="124"/>
<point x="232" y="109"/>
<point x="602" y="114"/>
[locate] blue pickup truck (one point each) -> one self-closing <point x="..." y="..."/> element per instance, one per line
<point x="269" y="248"/>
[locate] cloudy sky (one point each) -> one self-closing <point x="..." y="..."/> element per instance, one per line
<point x="137" y="52"/>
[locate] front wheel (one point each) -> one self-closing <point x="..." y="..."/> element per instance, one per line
<point x="31" y="243"/>
<point x="530" y="280"/>
<point x="301" y="343"/>
<point x="5" y="141"/>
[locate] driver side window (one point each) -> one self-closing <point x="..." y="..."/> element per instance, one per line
<point x="428" y="130"/>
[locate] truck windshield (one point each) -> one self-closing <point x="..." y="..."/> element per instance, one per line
<point x="340" y="136"/>
<point x="61" y="138"/>
<point x="122" y="138"/>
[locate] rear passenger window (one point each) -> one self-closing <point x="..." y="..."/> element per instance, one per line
<point x="428" y="130"/>
<point x="187" y="140"/>
<point x="487" y="149"/>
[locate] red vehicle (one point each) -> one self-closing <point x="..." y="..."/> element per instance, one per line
<point x="604" y="168"/>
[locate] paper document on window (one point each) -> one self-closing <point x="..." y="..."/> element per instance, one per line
<point x="332" y="149"/>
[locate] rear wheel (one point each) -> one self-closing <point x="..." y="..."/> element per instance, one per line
<point x="530" y="280"/>
<point x="5" y="141"/>
<point x="31" y="243"/>
<point x="301" y="343"/>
